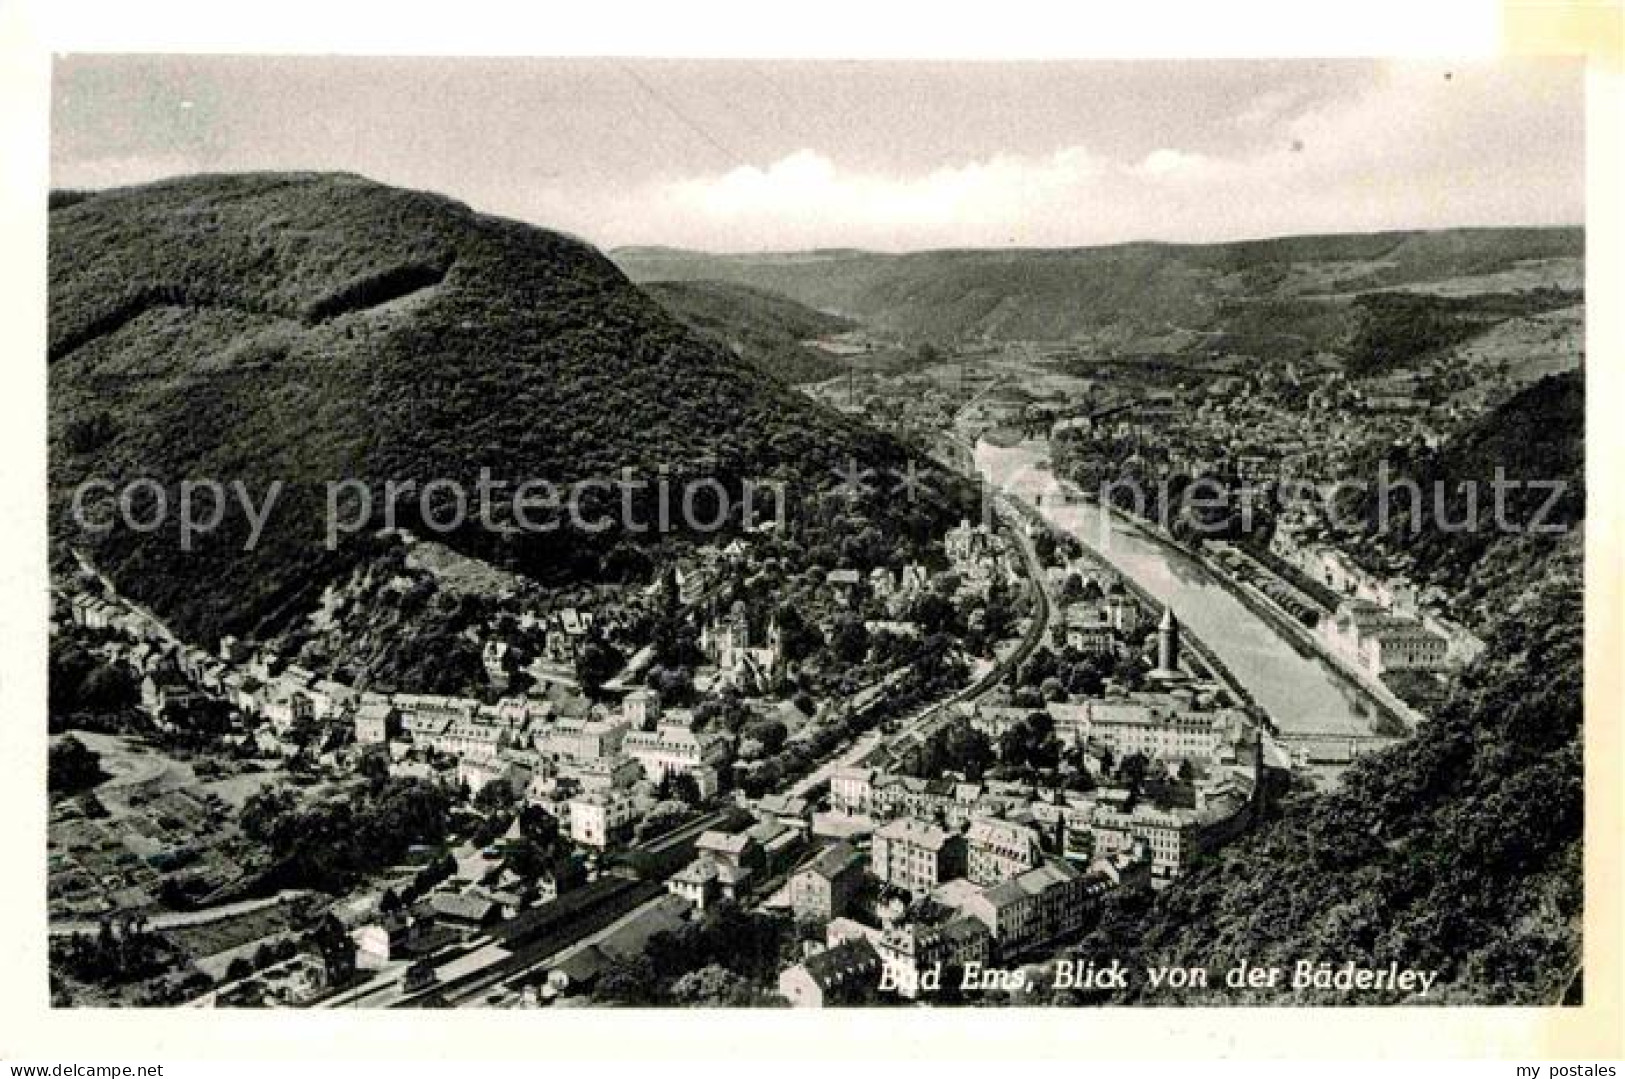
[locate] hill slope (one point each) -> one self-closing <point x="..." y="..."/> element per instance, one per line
<point x="305" y="329"/>
<point x="764" y="327"/>
<point x="1285" y="295"/>
<point x="1536" y="439"/>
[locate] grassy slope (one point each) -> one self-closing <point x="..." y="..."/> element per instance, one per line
<point x="290" y="327"/>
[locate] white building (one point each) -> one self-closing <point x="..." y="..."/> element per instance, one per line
<point x="598" y="817"/>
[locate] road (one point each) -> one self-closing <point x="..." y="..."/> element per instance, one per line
<point x="183" y="919"/>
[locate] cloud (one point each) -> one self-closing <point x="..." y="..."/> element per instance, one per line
<point x="1144" y="154"/>
<point x="1412" y="149"/>
<point x="806" y="192"/>
<point x="1161" y="163"/>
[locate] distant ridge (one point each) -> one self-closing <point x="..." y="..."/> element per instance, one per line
<point x="1140" y="287"/>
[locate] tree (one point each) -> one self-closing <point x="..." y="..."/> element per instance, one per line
<point x="374" y="766"/>
<point x="1132" y="769"/>
<point x="107" y="689"/>
<point x="1031" y="743"/>
<point x="680" y="787"/>
<point x="333" y="945"/>
<point x="597" y="661"/>
<point x="1039" y="666"/>
<point x="1044" y="548"/>
<point x="850" y="640"/>
<point x="934" y="613"/>
<point x="798" y="638"/>
<point x="538" y="825"/>
<point x="711" y="985"/>
<point x="967" y="749"/>
<point x="770" y="733"/>
<point x="264" y="813"/>
<point x="497" y="796"/>
<point x="72" y="766"/>
<point x="627" y="981"/>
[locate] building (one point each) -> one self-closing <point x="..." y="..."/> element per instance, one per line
<point x="464" y="911"/>
<point x="778" y="843"/>
<point x="567" y="631"/>
<point x="909" y="951"/>
<point x="752" y="666"/>
<point x="1167" y="646"/>
<point x="600" y="773"/>
<point x="480" y="772"/>
<point x="1040" y="905"/>
<point x="851" y="791"/>
<point x="916" y="856"/>
<point x="825" y="887"/>
<point x="966" y="542"/>
<point x="287" y="710"/>
<point x="675" y="748"/>
<point x="845" y="974"/>
<point x="468" y="738"/>
<point x="431" y="708"/>
<point x="582" y="738"/>
<point x="395" y="937"/>
<point x="1087" y="629"/>
<point x="640" y="708"/>
<point x="997" y="850"/>
<point x="1150" y="725"/>
<point x="1171" y="834"/>
<point x="498" y="659"/>
<point x="1365" y="635"/>
<point x="166" y="687"/>
<point x="376" y="722"/>
<point x="329" y="698"/>
<point x="599" y="818"/>
<point x="697" y="883"/>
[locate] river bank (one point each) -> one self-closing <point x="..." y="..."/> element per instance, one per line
<point x="1303" y="695"/>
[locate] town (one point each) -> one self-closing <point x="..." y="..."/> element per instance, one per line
<point x="980" y="812"/>
<point x="950" y="760"/>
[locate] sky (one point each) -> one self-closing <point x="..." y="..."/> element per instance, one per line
<point x="892" y="156"/>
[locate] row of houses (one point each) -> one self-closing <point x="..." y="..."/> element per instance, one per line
<point x="970" y="924"/>
<point x="937" y="830"/>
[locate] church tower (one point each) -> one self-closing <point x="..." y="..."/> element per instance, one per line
<point x="1168" y="643"/>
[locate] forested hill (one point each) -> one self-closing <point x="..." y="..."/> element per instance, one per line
<point x="1287" y="297"/>
<point x="765" y="328"/>
<point x="311" y="328"/>
<point x="1458" y="850"/>
<point x="1536" y="440"/>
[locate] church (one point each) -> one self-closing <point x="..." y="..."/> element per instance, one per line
<point x="750" y="667"/>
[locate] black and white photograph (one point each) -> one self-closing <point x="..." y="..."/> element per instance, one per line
<point x="537" y="533"/>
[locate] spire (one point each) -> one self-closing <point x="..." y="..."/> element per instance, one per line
<point x="1168" y="644"/>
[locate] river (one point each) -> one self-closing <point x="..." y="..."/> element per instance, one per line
<point x="1302" y="693"/>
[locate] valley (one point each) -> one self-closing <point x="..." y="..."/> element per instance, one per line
<point x="1081" y="600"/>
